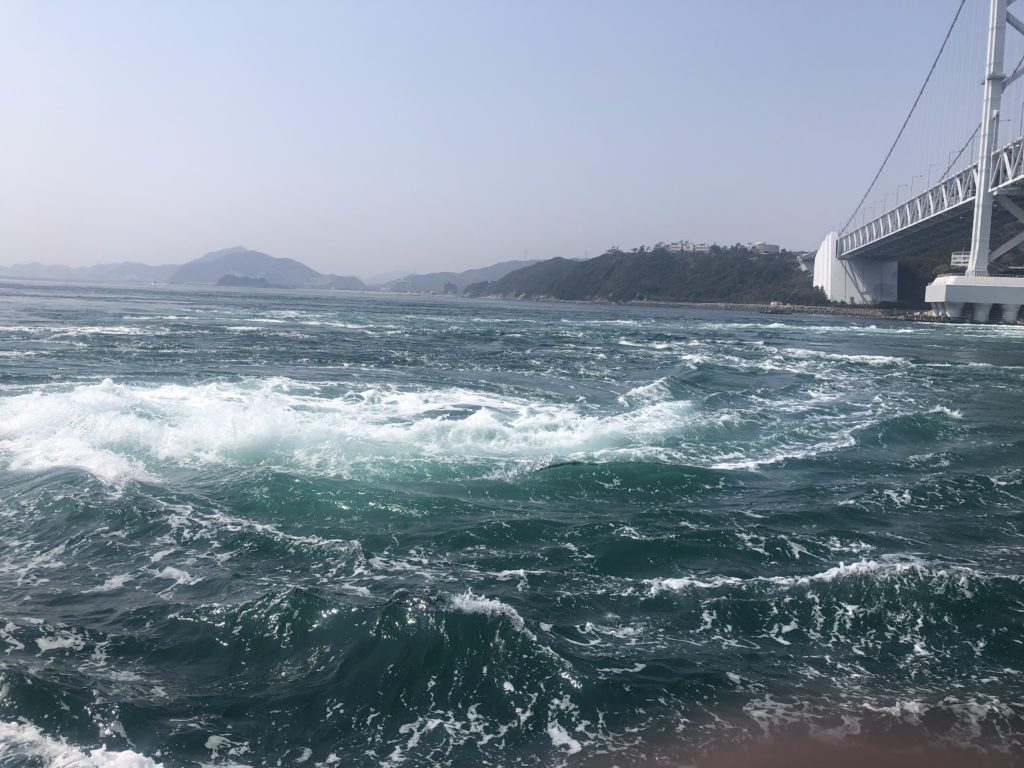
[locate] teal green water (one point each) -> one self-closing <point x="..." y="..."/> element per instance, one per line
<point x="277" y="528"/>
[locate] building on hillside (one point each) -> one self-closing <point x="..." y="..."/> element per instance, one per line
<point x="960" y="259"/>
<point x="760" y="247"/>
<point x="685" y="246"/>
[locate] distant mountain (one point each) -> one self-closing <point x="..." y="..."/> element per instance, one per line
<point x="338" y="283"/>
<point x="121" y="272"/>
<point x="381" y="278"/>
<point x="435" y="281"/>
<point x="733" y="274"/>
<point x="208" y="269"/>
<point x="239" y="262"/>
<point x="213" y="255"/>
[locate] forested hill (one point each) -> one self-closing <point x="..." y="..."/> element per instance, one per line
<point x="733" y="274"/>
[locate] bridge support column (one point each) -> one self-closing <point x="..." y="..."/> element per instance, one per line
<point x="982" y="225"/>
<point x="854" y="281"/>
<point x="953" y="309"/>
<point x="956" y="290"/>
<point x="1010" y="312"/>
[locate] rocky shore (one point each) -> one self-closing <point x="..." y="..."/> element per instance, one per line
<point x="873" y="313"/>
<point x="870" y="313"/>
<point x="867" y="313"/>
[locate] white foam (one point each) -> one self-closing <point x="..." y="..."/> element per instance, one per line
<point x="660" y="585"/>
<point x="520" y="575"/>
<point x="119" y="432"/>
<point x="859" y="568"/>
<point x="844" y="439"/>
<point x="114" y="582"/>
<point x="62" y="641"/>
<point x="94" y="330"/>
<point x="561" y="738"/>
<point x="876" y="360"/>
<point x="656" y="391"/>
<point x="470" y="603"/>
<point x="886" y="567"/>
<point x="26" y="741"/>
<point x="7" y="635"/>
<point x="179" y="576"/>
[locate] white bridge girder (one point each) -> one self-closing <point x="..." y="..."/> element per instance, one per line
<point x="944" y="200"/>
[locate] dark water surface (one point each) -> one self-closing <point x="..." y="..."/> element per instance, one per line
<point x="277" y="528"/>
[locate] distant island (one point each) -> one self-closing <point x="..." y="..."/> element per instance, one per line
<point x="236" y="263"/>
<point x="242" y="267"/>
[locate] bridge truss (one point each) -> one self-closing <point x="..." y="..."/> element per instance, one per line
<point x="943" y="210"/>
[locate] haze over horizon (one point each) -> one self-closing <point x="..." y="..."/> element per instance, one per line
<point x="370" y="138"/>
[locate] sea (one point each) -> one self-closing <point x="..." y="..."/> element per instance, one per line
<point x="298" y="528"/>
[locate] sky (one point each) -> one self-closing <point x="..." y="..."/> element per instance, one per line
<point x="366" y="137"/>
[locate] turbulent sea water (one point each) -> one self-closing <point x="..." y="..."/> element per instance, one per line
<point x="274" y="529"/>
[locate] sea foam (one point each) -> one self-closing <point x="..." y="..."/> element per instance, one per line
<point x="119" y="432"/>
<point x="21" y="741"/>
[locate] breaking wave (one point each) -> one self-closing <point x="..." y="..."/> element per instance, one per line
<point x="119" y="432"/>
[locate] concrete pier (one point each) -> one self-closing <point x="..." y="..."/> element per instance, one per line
<point x="949" y="293"/>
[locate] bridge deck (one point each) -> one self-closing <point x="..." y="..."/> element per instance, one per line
<point x="940" y="215"/>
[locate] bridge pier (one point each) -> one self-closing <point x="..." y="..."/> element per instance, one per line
<point x="951" y="309"/>
<point x="854" y="281"/>
<point x="981" y="313"/>
<point x="948" y="293"/>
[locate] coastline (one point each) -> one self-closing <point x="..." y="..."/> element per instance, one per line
<point x="871" y="313"/>
<point x="868" y="313"/>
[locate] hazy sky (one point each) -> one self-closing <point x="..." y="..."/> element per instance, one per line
<point x="361" y="137"/>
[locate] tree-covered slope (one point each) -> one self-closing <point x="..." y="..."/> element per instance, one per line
<point x="725" y="275"/>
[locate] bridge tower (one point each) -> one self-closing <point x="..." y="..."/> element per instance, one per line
<point x="949" y="294"/>
<point x="850" y="265"/>
<point x="981" y="231"/>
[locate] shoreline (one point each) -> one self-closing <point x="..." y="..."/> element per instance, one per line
<point x="869" y="313"/>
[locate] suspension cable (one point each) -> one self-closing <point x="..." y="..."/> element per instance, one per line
<point x="959" y="154"/>
<point x="910" y="114"/>
<point x="968" y="142"/>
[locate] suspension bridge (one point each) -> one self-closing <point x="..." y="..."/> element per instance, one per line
<point x="977" y="204"/>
